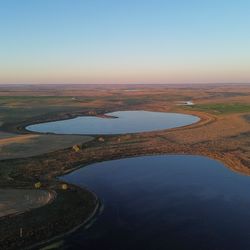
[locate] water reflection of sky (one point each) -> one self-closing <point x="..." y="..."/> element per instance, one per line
<point x="165" y="202"/>
<point x="127" y="122"/>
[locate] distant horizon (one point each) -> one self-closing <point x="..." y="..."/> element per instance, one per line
<point x="119" y="84"/>
<point x="124" y="42"/>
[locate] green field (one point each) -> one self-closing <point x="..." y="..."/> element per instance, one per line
<point x="19" y="108"/>
<point x="222" y="108"/>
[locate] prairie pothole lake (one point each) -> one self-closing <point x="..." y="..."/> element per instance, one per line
<point x="124" y="122"/>
<point x="165" y="202"/>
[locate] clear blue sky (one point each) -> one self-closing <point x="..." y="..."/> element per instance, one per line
<point x="124" y="41"/>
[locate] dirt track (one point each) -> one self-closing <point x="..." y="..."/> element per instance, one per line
<point x="17" y="201"/>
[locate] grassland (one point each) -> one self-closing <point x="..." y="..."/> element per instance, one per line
<point x="222" y="108"/>
<point x="21" y="108"/>
<point x="223" y="133"/>
<point x="21" y="146"/>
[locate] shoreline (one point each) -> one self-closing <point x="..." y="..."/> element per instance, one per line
<point x="50" y="222"/>
<point x="83" y="224"/>
<point x="21" y="128"/>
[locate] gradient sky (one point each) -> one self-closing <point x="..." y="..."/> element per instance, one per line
<point x="124" y="41"/>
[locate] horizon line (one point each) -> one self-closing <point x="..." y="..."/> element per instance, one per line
<point x="186" y="83"/>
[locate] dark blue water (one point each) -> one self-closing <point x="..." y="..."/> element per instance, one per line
<point x="165" y="202"/>
<point x="127" y="122"/>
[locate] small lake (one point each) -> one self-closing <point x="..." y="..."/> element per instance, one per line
<point x="126" y="122"/>
<point x="165" y="202"/>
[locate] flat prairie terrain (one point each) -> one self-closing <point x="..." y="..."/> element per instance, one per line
<point x="21" y="146"/>
<point x="223" y="133"/>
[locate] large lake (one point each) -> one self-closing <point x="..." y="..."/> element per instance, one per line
<point x="126" y="122"/>
<point x="165" y="202"/>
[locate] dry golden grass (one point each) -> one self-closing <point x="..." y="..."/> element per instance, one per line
<point x="17" y="139"/>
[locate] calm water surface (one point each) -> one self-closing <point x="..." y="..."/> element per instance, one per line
<point x="165" y="202"/>
<point x="127" y="122"/>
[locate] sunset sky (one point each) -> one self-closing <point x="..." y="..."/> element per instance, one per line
<point x="124" y="41"/>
